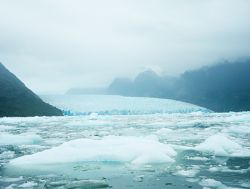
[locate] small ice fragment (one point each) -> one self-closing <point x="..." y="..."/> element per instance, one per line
<point x="188" y="173"/>
<point x="93" y="116"/>
<point x="138" y="178"/>
<point x="8" y="179"/>
<point x="198" y="158"/>
<point x="87" y="184"/>
<point x="210" y="183"/>
<point x="10" y="139"/>
<point x="28" y="184"/>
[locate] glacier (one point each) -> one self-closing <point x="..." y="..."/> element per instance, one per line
<point x="118" y="105"/>
<point x="136" y="143"/>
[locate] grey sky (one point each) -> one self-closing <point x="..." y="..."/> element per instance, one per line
<point x="53" y="45"/>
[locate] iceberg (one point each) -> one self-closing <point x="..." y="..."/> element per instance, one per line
<point x="136" y="150"/>
<point x="221" y="145"/>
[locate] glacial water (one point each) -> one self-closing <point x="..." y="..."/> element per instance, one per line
<point x="147" y="148"/>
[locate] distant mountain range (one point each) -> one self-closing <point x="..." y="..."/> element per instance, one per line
<point x="146" y="84"/>
<point x="17" y="100"/>
<point x="222" y="87"/>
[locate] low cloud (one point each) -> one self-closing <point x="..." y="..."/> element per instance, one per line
<point x="59" y="44"/>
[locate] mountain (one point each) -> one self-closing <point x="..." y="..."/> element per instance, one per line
<point x="123" y="86"/>
<point x="17" y="100"/>
<point x="222" y="87"/>
<point x="146" y="84"/>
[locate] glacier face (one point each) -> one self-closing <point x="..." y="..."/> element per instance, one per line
<point x="118" y="105"/>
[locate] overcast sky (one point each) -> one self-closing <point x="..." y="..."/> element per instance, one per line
<point x="53" y="45"/>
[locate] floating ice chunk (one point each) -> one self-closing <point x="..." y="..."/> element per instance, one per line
<point x="147" y="157"/>
<point x="87" y="184"/>
<point x="7" y="179"/>
<point x="239" y="129"/>
<point x="219" y="145"/>
<point x="138" y="178"/>
<point x="208" y="183"/>
<point x="228" y="170"/>
<point x="56" y="183"/>
<point x="78" y="184"/>
<point x="192" y="179"/>
<point x="12" y="186"/>
<point x="211" y="183"/>
<point x="163" y="131"/>
<point x="214" y="169"/>
<point x="7" y="155"/>
<point x="246" y="185"/>
<point x="93" y="116"/>
<point x="4" y="128"/>
<point x="198" y="158"/>
<point x="188" y="173"/>
<point x="9" y="139"/>
<point x="136" y="150"/>
<point x="30" y="184"/>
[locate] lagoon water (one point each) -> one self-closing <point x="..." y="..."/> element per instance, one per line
<point x="132" y="143"/>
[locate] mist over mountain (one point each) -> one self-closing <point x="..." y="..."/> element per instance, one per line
<point x="17" y="100"/>
<point x="80" y="91"/>
<point x="221" y="87"/>
<point x="147" y="84"/>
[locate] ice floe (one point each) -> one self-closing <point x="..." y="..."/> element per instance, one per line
<point x="221" y="145"/>
<point x="11" y="139"/>
<point x="212" y="183"/>
<point x="30" y="184"/>
<point x="136" y="150"/>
